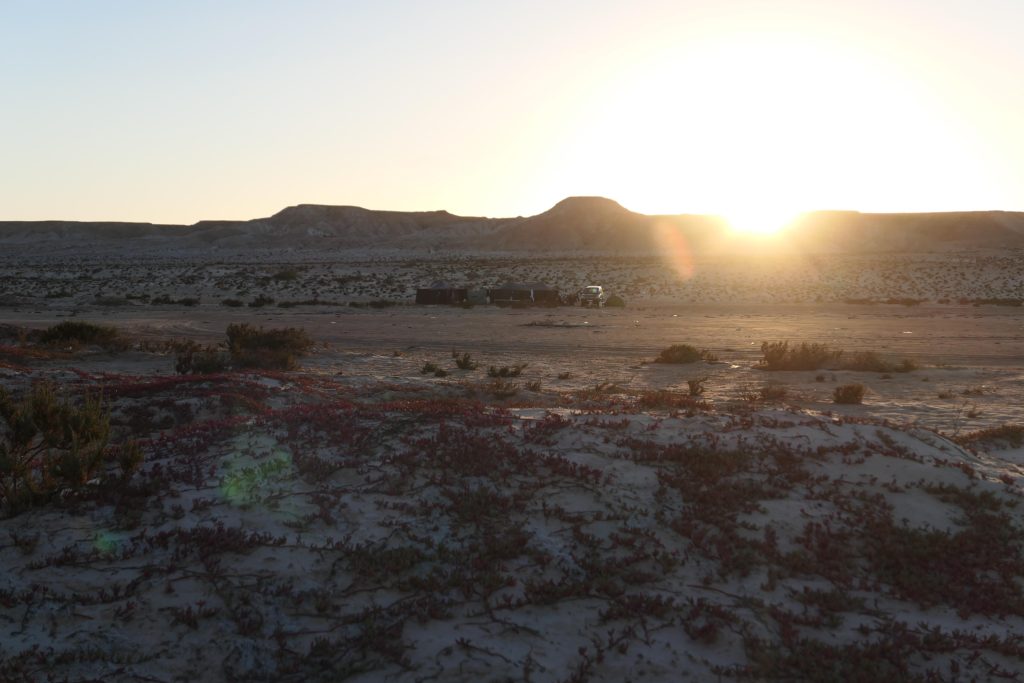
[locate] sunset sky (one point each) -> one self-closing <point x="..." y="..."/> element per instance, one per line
<point x="179" y="111"/>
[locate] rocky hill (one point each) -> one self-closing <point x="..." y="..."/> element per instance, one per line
<point x="576" y="223"/>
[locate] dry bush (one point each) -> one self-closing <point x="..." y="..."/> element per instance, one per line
<point x="849" y="394"/>
<point x="200" y="360"/>
<point x="506" y="371"/>
<point x="781" y="356"/>
<point x="77" y="333"/>
<point x="870" y="361"/>
<point x="773" y="392"/>
<point x="696" y="385"/>
<point x="274" y="349"/>
<point x="679" y="354"/>
<point x="500" y="388"/>
<point x="1011" y="435"/>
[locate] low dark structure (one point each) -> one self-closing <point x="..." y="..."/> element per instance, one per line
<point x="524" y="294"/>
<point x="441" y="293"/>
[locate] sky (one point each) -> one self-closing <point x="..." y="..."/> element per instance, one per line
<point x="173" y="112"/>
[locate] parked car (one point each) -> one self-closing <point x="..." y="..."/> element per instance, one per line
<point x="593" y="295"/>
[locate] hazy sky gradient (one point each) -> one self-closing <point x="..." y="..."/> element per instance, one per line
<point x="179" y="111"/>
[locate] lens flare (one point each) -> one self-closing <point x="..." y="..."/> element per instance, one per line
<point x="674" y="247"/>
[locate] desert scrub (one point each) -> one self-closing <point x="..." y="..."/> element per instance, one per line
<point x="500" y="388"/>
<point x="782" y="356"/>
<point x="506" y="370"/>
<point x="274" y="349"/>
<point x="434" y="369"/>
<point x="679" y="354"/>
<point x="1010" y="435"/>
<point x="74" y="333"/>
<point x="615" y="301"/>
<point x="696" y="386"/>
<point x="200" y="360"/>
<point x="465" y="362"/>
<point x="773" y="392"/>
<point x="49" y="445"/>
<point x="870" y="361"/>
<point x="849" y="394"/>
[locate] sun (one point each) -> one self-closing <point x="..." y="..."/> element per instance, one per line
<point x="754" y="127"/>
<point x="759" y="221"/>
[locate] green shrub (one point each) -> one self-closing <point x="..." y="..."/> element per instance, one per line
<point x="77" y="333"/>
<point x="848" y="394"/>
<point x="274" y="349"/>
<point x="615" y="301"/>
<point x="679" y="354"/>
<point x="780" y="356"/>
<point x="48" y="445"/>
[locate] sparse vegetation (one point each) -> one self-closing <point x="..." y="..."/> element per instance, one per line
<point x="74" y="333"/>
<point x="848" y="394"/>
<point x="679" y="354"/>
<point x="773" y="392"/>
<point x="782" y="356"/>
<point x="506" y="370"/>
<point x="870" y="361"/>
<point x="1004" y="435"/>
<point x="273" y="349"/>
<point x="430" y="368"/>
<point x="199" y="360"/>
<point x="465" y="362"/>
<point x="696" y="386"/>
<point x="48" y="445"/>
<point x="615" y="301"/>
<point x="500" y="389"/>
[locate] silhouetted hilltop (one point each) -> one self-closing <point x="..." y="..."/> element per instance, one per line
<point x="575" y="223"/>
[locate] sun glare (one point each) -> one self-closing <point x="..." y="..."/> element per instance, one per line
<point x="759" y="221"/>
<point x="751" y="128"/>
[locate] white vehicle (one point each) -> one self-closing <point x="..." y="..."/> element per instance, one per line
<point x="594" y="295"/>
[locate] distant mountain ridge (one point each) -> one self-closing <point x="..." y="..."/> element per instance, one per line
<point x="574" y="224"/>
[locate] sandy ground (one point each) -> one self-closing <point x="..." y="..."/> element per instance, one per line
<point x="586" y="520"/>
<point x="972" y="374"/>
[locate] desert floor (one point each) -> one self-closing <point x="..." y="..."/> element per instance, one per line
<point x="588" y="519"/>
<point x="971" y="357"/>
